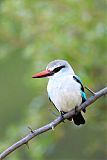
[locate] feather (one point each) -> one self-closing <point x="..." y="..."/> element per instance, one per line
<point x="83" y="95"/>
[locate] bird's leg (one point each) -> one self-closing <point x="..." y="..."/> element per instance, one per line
<point x="76" y="110"/>
<point x="90" y="90"/>
<point x="62" y="115"/>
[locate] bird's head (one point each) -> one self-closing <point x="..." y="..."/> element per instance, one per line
<point x="55" y="68"/>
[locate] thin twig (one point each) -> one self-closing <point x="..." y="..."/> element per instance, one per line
<point x="90" y="90"/>
<point x="50" y="110"/>
<point x="53" y="124"/>
<point x="31" y="130"/>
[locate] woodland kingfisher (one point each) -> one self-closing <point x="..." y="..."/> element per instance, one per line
<point x="65" y="88"/>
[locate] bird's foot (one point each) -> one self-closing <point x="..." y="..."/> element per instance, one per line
<point x="62" y="115"/>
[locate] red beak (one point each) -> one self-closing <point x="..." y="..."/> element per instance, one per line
<point x="43" y="74"/>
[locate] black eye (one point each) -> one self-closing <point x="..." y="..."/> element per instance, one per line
<point x="58" y="69"/>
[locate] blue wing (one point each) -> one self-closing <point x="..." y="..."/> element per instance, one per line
<point x="83" y="95"/>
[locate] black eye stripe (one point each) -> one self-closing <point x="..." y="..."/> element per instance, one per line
<point x="58" y="69"/>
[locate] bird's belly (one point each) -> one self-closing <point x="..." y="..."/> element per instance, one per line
<point x="67" y="102"/>
<point x="65" y="98"/>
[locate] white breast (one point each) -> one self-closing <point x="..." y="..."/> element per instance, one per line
<point x="64" y="92"/>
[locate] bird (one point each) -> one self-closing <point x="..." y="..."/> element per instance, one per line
<point x="65" y="88"/>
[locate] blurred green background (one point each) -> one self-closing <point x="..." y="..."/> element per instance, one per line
<point x="33" y="33"/>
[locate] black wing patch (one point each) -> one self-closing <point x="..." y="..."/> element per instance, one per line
<point x="79" y="81"/>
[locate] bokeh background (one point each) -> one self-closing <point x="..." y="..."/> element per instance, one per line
<point x="33" y="33"/>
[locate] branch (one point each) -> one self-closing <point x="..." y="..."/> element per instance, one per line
<point x="53" y="124"/>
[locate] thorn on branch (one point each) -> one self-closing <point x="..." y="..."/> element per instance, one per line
<point x="31" y="130"/>
<point x="90" y="90"/>
<point x="52" y="126"/>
